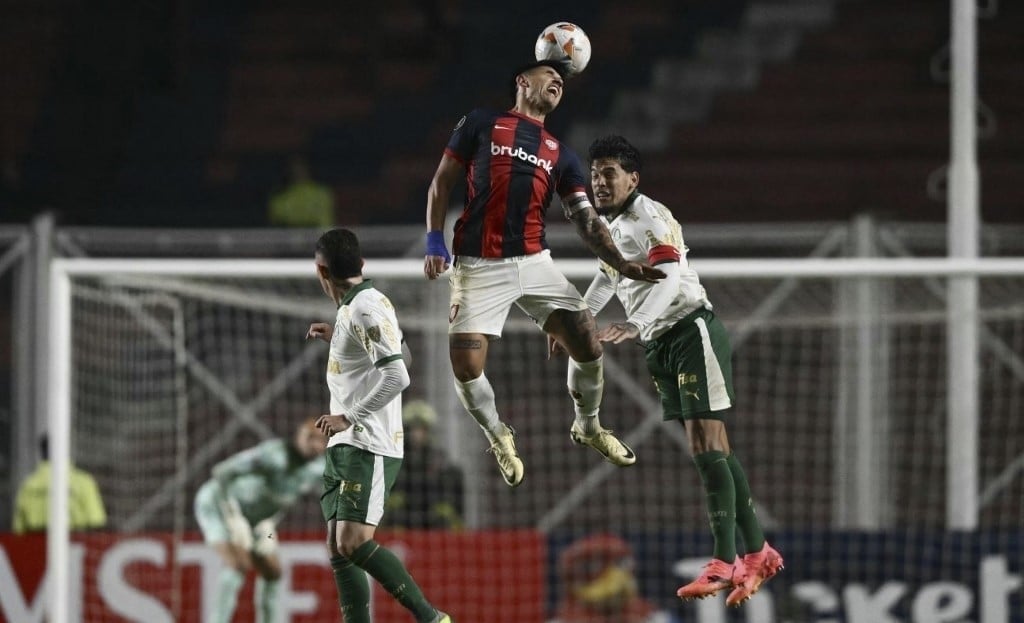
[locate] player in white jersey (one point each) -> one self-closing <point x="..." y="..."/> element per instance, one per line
<point x="366" y="374"/>
<point x="688" y="355"/>
<point x="239" y="508"/>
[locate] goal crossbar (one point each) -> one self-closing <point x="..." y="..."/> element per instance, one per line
<point x="766" y="268"/>
<point x="63" y="270"/>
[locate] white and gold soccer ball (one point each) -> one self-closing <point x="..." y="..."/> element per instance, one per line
<point x="565" y="42"/>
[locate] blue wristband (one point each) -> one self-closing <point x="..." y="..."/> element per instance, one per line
<point x="436" y="245"/>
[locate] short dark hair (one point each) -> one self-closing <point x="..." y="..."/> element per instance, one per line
<point x="615" y="146"/>
<point x="562" y="67"/>
<point x="339" y="249"/>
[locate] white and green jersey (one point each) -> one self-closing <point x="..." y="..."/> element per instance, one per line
<point x="646" y="231"/>
<point x="366" y="335"/>
<point x="268" y="478"/>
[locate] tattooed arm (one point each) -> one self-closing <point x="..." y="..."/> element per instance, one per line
<point x="595" y="234"/>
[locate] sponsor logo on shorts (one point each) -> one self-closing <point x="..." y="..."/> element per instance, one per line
<point x="453" y="312"/>
<point x="333" y="366"/>
<point x="347" y="486"/>
<point x="687" y="379"/>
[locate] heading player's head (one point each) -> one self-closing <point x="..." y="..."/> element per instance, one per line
<point x="308" y="440"/>
<point x="537" y="87"/>
<point x="338" y="259"/>
<point x="614" y="172"/>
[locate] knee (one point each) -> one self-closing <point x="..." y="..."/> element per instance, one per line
<point x="707" y="436"/>
<point x="466" y="368"/>
<point x="466" y="372"/>
<point x="349" y="543"/>
<point x="332" y="547"/>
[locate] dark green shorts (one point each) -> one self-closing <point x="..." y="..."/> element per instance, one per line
<point x="357" y="483"/>
<point x="692" y="367"/>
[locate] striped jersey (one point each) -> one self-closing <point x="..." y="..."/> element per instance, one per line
<point x="513" y="168"/>
<point x="366" y="336"/>
<point x="646" y="231"/>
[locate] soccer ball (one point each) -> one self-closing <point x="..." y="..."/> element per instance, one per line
<point x="565" y="42"/>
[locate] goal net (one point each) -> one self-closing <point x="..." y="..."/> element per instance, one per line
<point x="841" y="424"/>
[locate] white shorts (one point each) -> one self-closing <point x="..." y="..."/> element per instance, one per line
<point x="211" y="523"/>
<point x="484" y="289"/>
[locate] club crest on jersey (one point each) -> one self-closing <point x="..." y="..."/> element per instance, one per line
<point x="518" y="152"/>
<point x="552" y="145"/>
<point x="373" y="333"/>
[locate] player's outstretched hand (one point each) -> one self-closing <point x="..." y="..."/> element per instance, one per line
<point x="331" y="424"/>
<point x="320" y="331"/>
<point x="638" y="271"/>
<point x="618" y="332"/>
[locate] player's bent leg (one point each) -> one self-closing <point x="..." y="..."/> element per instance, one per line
<point x="709" y="445"/>
<point x="576" y="331"/>
<point x="468" y="352"/>
<point x="477" y="396"/>
<point x="355" y="540"/>
<point x="350" y="580"/>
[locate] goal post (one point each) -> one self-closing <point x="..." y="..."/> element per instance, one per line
<point x="800" y="335"/>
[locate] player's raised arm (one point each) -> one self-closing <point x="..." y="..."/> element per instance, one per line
<point x="448" y="173"/>
<point x="595" y="234"/>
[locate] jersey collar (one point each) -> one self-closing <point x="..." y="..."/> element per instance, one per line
<point x="356" y="289"/>
<point x="626" y="204"/>
<point x="525" y="118"/>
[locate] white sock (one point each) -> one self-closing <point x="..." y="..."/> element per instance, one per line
<point x="477" y="396"/>
<point x="586" y="387"/>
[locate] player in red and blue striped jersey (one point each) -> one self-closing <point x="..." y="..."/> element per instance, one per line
<point x="512" y="168"/>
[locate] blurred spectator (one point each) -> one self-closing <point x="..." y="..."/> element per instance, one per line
<point x="304" y="202"/>
<point x="32" y="504"/>
<point x="599" y="585"/>
<point x="428" y="492"/>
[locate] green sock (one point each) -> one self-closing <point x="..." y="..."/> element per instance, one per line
<point x="387" y="569"/>
<point x="353" y="590"/>
<point x="721" y="498"/>
<point x="228" y="583"/>
<point x="746" y="518"/>
<point x="267" y="591"/>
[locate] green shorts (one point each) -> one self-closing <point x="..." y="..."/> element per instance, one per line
<point x="357" y="483"/>
<point x="691" y="365"/>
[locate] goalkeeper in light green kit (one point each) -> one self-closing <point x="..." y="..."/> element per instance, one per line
<point x="239" y="508"/>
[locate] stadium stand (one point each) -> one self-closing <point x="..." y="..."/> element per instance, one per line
<point x="759" y="109"/>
